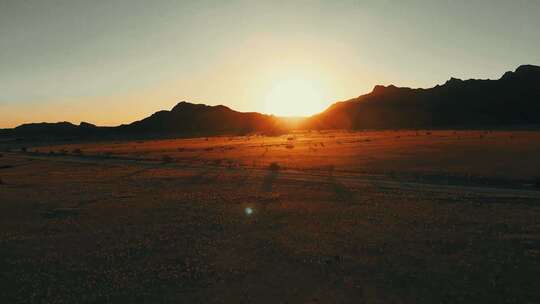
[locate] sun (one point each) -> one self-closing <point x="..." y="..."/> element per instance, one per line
<point x="295" y="96"/>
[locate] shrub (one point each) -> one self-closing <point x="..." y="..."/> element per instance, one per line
<point x="274" y="166"/>
<point x="62" y="213"/>
<point x="167" y="159"/>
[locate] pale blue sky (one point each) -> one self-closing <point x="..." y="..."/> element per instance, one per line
<point x="111" y="62"/>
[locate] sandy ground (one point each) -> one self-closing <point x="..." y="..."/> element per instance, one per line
<point x="333" y="217"/>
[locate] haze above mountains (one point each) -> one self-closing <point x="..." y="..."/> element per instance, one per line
<point x="511" y="101"/>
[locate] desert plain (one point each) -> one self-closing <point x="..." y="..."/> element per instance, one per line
<point x="448" y="216"/>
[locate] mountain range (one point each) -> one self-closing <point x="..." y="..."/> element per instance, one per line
<point x="511" y="101"/>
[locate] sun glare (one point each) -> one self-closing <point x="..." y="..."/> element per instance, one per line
<point x="295" y="96"/>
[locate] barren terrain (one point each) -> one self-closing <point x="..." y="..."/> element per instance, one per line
<point x="309" y="217"/>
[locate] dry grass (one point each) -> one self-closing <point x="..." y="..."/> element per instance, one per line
<point x="441" y="153"/>
<point x="335" y="228"/>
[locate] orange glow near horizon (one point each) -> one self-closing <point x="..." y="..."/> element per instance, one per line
<point x="295" y="95"/>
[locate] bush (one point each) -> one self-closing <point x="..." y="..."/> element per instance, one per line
<point x="167" y="159"/>
<point x="274" y="166"/>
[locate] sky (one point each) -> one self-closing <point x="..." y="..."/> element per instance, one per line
<point x="110" y="62"/>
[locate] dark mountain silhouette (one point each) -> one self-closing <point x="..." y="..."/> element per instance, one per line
<point x="188" y="118"/>
<point x="185" y="119"/>
<point x="512" y="100"/>
<point x="53" y="130"/>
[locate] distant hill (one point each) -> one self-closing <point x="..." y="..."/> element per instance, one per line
<point x="189" y="118"/>
<point x="185" y="119"/>
<point x="58" y="130"/>
<point x="512" y="100"/>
